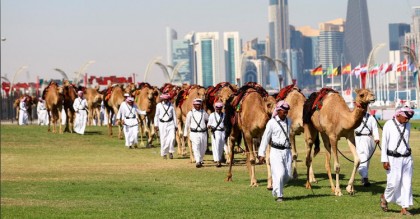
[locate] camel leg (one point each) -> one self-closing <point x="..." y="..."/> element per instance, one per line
<point x="250" y="159"/>
<point x="294" y="154"/>
<point x="49" y="120"/>
<point x="333" y="143"/>
<point x="141" y="132"/>
<point x="59" y="121"/>
<point x="191" y="152"/>
<point x="178" y="143"/>
<point x="231" y="156"/>
<point x="181" y="137"/>
<point x="327" y="145"/>
<point x="350" y="185"/>
<point x="268" y="164"/>
<point x="308" y="161"/>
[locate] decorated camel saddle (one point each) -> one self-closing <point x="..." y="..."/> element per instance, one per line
<point x="285" y="91"/>
<point x="314" y="103"/>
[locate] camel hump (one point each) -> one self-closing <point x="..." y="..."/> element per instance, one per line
<point x="285" y="91"/>
<point x="314" y="102"/>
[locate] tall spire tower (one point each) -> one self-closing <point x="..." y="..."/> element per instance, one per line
<point x="278" y="24"/>
<point x="357" y="38"/>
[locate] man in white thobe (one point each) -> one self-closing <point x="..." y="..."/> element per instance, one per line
<point x="195" y="124"/>
<point x="217" y="133"/>
<point x="165" y="123"/>
<point x="127" y="114"/>
<point x="366" y="136"/>
<point x="42" y="112"/>
<point x="277" y="131"/>
<point x="80" y="108"/>
<point x="397" y="161"/>
<point x="23" y="112"/>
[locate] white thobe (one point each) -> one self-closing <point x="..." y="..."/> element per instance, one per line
<point x="63" y="116"/>
<point x="196" y="123"/>
<point x="23" y="113"/>
<point x="165" y="119"/>
<point x="42" y="113"/>
<point x="365" y="144"/>
<point x="218" y="136"/>
<point x="80" y="107"/>
<point x="398" y="184"/>
<point x="129" y="117"/>
<point x="280" y="160"/>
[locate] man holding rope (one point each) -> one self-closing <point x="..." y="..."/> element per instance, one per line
<point x="366" y="137"/>
<point x="397" y="161"/>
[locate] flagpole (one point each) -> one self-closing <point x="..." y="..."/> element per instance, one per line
<point x="322" y="81"/>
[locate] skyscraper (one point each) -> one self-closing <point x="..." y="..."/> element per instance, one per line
<point x="331" y="43"/>
<point x="396" y="35"/>
<point x="278" y="26"/>
<point x="208" y="63"/>
<point x="171" y="35"/>
<point x="357" y="38"/>
<point x="232" y="51"/>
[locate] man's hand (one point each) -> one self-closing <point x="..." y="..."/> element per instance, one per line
<point x="386" y="165"/>
<point x="156" y="128"/>
<point x="376" y="141"/>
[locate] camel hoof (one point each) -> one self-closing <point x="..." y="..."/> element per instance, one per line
<point x="253" y="185"/>
<point x="228" y="179"/>
<point x="270" y="188"/>
<point x="350" y="190"/>
<point x="338" y="192"/>
<point x="314" y="181"/>
<point x="308" y="185"/>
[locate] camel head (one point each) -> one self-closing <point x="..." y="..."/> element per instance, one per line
<point x="270" y="105"/>
<point x="364" y="97"/>
<point x="225" y="93"/>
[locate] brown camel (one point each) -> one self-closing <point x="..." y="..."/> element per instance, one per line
<point x="146" y="99"/>
<point x="214" y="94"/>
<point x="69" y="95"/>
<point x="114" y="96"/>
<point x="53" y="96"/>
<point x="30" y="101"/>
<point x="247" y="120"/>
<point x="183" y="105"/>
<point x="333" y="119"/>
<point x="94" y="99"/>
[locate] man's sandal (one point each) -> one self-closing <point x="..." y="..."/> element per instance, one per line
<point x="384" y="204"/>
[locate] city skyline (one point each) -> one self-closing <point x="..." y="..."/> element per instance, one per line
<point x="124" y="37"/>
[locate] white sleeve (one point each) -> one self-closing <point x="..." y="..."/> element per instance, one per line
<point x="375" y="131"/>
<point x="187" y="123"/>
<point x="76" y="104"/>
<point x="174" y="117"/>
<point x="156" y="119"/>
<point x="265" y="139"/>
<point x="384" y="142"/>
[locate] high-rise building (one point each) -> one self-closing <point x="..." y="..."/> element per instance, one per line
<point x="278" y="26"/>
<point x="207" y="58"/>
<point x="181" y="61"/>
<point x="171" y="35"/>
<point x="357" y="38"/>
<point x="232" y="52"/>
<point x="396" y="35"/>
<point x="331" y="43"/>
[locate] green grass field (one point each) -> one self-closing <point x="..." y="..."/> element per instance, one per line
<point x="46" y="175"/>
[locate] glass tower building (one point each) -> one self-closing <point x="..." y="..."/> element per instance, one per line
<point x="396" y="35"/>
<point x="357" y="38"/>
<point x="232" y="52"/>
<point x="207" y="57"/>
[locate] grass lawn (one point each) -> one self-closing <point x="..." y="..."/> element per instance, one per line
<point x="46" y="175"/>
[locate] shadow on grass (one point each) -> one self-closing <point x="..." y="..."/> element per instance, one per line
<point x="93" y="133"/>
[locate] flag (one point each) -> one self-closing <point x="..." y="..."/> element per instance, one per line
<point x="356" y="71"/>
<point x="374" y="70"/>
<point x="363" y="69"/>
<point x="402" y="66"/>
<point x="346" y="69"/>
<point x="335" y="72"/>
<point x="329" y="70"/>
<point x="389" y="68"/>
<point x="317" y="70"/>
<point x="363" y="77"/>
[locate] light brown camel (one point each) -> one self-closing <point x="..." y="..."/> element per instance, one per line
<point x="333" y="119"/>
<point x="30" y="101"/>
<point x="94" y="100"/>
<point x="146" y="99"/>
<point x="69" y="95"/>
<point x="53" y="96"/>
<point x="114" y="96"/>
<point x="249" y="121"/>
<point x="183" y="105"/>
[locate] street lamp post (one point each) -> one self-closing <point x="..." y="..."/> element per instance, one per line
<point x="284" y="66"/>
<point x="82" y="71"/>
<point x="411" y="53"/>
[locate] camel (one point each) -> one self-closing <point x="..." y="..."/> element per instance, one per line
<point x="183" y="105"/>
<point x="69" y="95"/>
<point x="30" y="101"/>
<point x="114" y="96"/>
<point x="333" y="119"/>
<point x="248" y="119"/>
<point x="53" y="96"/>
<point x="221" y="92"/>
<point x="146" y="99"/>
<point x="94" y="99"/>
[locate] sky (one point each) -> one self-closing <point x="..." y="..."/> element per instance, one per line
<point x="123" y="36"/>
